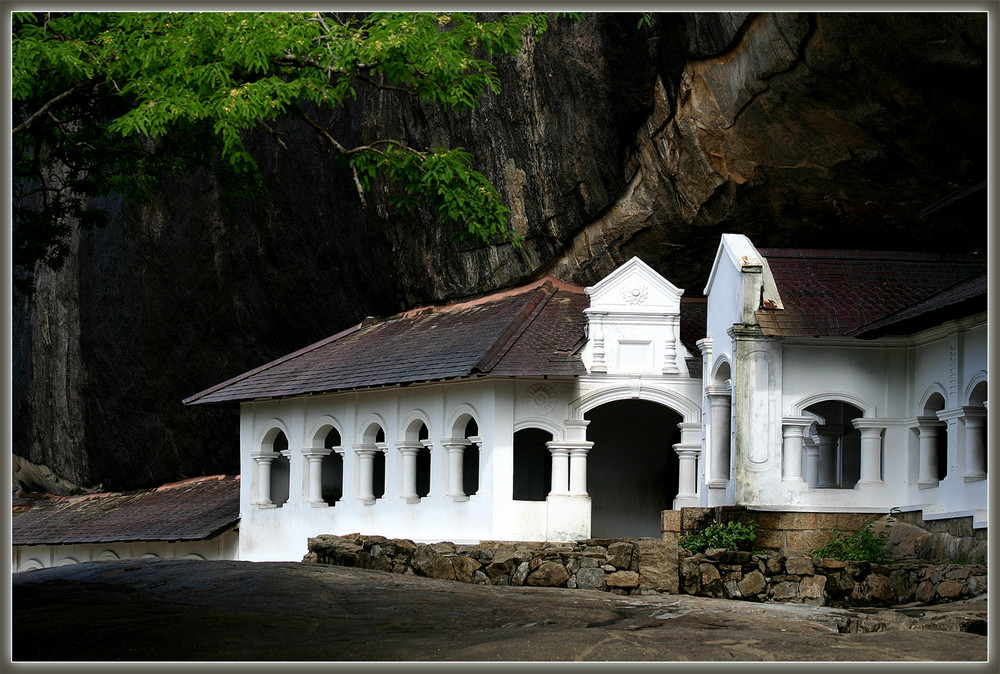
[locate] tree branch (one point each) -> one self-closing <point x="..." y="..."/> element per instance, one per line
<point x="274" y="134"/>
<point x="26" y="124"/>
<point x="385" y="87"/>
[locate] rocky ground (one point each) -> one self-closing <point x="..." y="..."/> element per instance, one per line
<point x="159" y="610"/>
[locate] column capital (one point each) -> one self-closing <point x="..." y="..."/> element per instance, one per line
<point x="862" y="423"/>
<point x="740" y="332"/>
<point x="829" y="429"/>
<point x="412" y="446"/>
<point x="576" y="429"/>
<point x="719" y="395"/>
<point x="927" y="423"/>
<point x="266" y="456"/>
<point x="569" y="446"/>
<point x="973" y="415"/>
<point x="316" y="451"/>
<point x="797" y="422"/>
<point x="687" y="450"/>
<point x="455" y="443"/>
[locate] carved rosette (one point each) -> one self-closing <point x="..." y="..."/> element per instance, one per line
<point x="634" y="295"/>
<point x="541" y="398"/>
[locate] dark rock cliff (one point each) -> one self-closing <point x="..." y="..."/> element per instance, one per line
<point x="608" y="140"/>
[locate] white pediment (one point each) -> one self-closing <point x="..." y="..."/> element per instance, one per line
<point x="633" y="324"/>
<point x="635" y="288"/>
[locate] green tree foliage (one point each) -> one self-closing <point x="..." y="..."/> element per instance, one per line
<point x="105" y="102"/>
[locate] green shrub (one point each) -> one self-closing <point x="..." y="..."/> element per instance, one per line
<point x="864" y="545"/>
<point x="729" y="536"/>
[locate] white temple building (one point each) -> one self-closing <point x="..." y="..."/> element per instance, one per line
<point x="803" y="380"/>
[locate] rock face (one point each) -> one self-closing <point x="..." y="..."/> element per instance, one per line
<point x="608" y="140"/>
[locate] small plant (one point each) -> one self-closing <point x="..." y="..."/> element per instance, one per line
<point x="729" y="536"/>
<point x="864" y="545"/>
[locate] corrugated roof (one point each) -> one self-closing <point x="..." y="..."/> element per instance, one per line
<point x="835" y="292"/>
<point x="192" y="510"/>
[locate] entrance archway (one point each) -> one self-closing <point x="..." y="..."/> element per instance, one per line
<point x="632" y="467"/>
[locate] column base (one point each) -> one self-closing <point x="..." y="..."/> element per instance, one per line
<point x="975" y="477"/>
<point x="319" y="504"/>
<point x="928" y="485"/>
<point x="459" y="499"/>
<point x="718" y="484"/>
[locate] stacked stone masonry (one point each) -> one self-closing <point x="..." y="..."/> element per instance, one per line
<point x="821" y="581"/>
<point x="647" y="566"/>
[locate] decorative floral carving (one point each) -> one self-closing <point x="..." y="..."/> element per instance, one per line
<point x="541" y="397"/>
<point x="635" y="294"/>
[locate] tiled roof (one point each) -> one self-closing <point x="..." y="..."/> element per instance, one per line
<point x="193" y="510"/>
<point x="529" y="330"/>
<point x="835" y="292"/>
<point x="962" y="299"/>
<point x="537" y="329"/>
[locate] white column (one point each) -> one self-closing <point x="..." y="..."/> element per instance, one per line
<point x="811" y="469"/>
<point x="578" y="469"/>
<point x="560" y="468"/>
<point x="975" y="443"/>
<point x="264" y="460"/>
<point x="720" y="400"/>
<point x="669" y="346"/>
<point x="791" y="447"/>
<point x="687" y="473"/>
<point x="596" y="321"/>
<point x="314" y="464"/>
<point x="688" y="452"/>
<point x="929" y="429"/>
<point x="871" y="450"/>
<point x="455" y="448"/>
<point x="408" y="452"/>
<point x="366" y="469"/>
<point x="829" y="446"/>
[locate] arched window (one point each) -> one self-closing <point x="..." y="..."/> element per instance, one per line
<point x="532" y="465"/>
<point x="470" y="467"/>
<point x="463" y="457"/>
<point x="935" y="403"/>
<point x="415" y="462"/>
<point x="370" y="457"/>
<point x="424" y="462"/>
<point x="838" y="442"/>
<point x="974" y="420"/>
<point x="280" y="470"/>
<point x="333" y="468"/>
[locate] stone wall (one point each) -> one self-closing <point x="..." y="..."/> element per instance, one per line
<point x="647" y="566"/>
<point x="621" y="566"/>
<point x="818" y="581"/>
<point x="787" y="531"/>
<point x="942" y="541"/>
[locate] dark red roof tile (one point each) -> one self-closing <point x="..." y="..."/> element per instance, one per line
<point x="535" y="330"/>
<point x="192" y="510"/>
<point x="834" y="292"/>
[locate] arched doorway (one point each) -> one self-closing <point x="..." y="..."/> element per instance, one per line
<point x="632" y="467"/>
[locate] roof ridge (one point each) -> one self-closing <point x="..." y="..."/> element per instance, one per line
<point x="524" y="317"/>
<point x="860" y="253"/>
<point x="487" y="299"/>
<point x="295" y="354"/>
